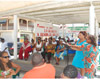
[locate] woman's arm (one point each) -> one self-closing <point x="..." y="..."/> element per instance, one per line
<point x="75" y="47"/>
<point x="3" y="76"/>
<point x="62" y="49"/>
<point x="78" y="49"/>
<point x="8" y="76"/>
<point x="42" y="45"/>
<point x="16" y="66"/>
<point x="58" y="50"/>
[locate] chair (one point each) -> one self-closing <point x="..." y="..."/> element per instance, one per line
<point x="69" y="51"/>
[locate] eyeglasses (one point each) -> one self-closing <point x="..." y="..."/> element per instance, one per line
<point x="5" y="56"/>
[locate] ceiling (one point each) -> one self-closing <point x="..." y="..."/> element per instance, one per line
<point x="55" y="11"/>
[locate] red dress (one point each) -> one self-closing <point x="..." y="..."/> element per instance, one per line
<point x="27" y="48"/>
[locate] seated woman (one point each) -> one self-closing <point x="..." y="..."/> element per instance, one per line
<point x="26" y="48"/>
<point x="6" y="66"/>
<point x="39" y="46"/>
<point x="32" y="45"/>
<point x="49" y="50"/>
<point x="61" y="51"/>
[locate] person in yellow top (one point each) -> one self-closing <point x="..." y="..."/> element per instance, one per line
<point x="49" y="49"/>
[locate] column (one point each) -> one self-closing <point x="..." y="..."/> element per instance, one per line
<point x="92" y="20"/>
<point x="97" y="30"/>
<point x="18" y="30"/>
<point x="63" y="31"/>
<point x="27" y="25"/>
<point x="15" y="36"/>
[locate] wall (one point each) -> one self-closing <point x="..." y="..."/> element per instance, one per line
<point x="8" y="36"/>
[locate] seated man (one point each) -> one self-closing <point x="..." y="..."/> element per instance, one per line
<point x="40" y="69"/>
<point x="69" y="72"/>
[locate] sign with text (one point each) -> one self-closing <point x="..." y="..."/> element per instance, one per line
<point x="77" y="29"/>
<point x="45" y="29"/>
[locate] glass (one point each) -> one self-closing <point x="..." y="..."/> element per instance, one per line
<point x="5" y="56"/>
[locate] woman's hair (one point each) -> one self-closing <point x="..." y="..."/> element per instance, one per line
<point x="93" y="40"/>
<point x="1" y="64"/>
<point x="39" y="38"/>
<point x="32" y="40"/>
<point x="84" y="33"/>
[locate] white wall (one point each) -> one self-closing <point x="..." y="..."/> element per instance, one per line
<point x="8" y="36"/>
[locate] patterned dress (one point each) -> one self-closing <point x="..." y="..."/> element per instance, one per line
<point x="4" y="73"/>
<point x="90" y="53"/>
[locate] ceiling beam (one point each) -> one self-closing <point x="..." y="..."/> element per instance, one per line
<point x="61" y="14"/>
<point x="33" y="18"/>
<point x="37" y="7"/>
<point x="58" y="10"/>
<point x="65" y="13"/>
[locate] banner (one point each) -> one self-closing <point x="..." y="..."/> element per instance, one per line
<point x="77" y="29"/>
<point x="45" y="29"/>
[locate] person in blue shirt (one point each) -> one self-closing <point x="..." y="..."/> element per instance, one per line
<point x="78" y="58"/>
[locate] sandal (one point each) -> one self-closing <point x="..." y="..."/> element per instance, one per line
<point x="57" y="63"/>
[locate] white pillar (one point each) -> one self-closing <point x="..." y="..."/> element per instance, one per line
<point x="15" y="36"/>
<point x="27" y="24"/>
<point x="63" y="30"/>
<point x="35" y="27"/>
<point x="18" y="30"/>
<point x="97" y="31"/>
<point x="92" y="20"/>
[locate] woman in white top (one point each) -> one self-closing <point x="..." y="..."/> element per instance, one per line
<point x="39" y="46"/>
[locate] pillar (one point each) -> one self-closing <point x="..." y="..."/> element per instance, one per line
<point x="15" y="36"/>
<point x="92" y="20"/>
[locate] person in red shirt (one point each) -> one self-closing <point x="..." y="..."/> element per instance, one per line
<point x="40" y="69"/>
<point x="26" y="48"/>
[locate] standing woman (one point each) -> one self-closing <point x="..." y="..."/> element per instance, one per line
<point x="78" y="58"/>
<point x="90" y="52"/>
<point x="6" y="66"/>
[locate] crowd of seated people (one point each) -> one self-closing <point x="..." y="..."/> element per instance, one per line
<point x="47" y="48"/>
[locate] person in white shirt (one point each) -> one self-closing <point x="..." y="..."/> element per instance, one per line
<point x="39" y="46"/>
<point x="3" y="46"/>
<point x="54" y="41"/>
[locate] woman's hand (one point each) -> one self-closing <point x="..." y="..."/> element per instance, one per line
<point x="37" y="49"/>
<point x="57" y="51"/>
<point x="12" y="72"/>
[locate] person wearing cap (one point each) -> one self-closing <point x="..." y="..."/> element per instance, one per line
<point x="26" y="48"/>
<point x="61" y="52"/>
